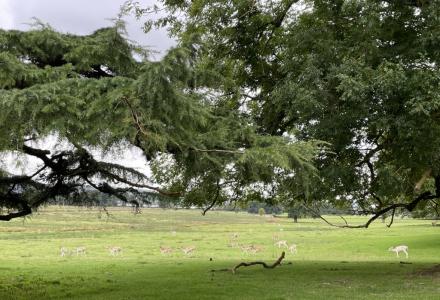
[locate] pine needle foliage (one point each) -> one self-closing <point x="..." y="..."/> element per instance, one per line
<point x="91" y="93"/>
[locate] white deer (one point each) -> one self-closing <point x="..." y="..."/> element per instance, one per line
<point x="282" y="243"/>
<point x="64" y="251"/>
<point x="233" y="240"/>
<point x="80" y="250"/>
<point x="115" y="250"/>
<point x="293" y="249"/>
<point x="401" y="248"/>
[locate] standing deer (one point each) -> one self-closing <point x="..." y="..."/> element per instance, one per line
<point x="188" y="250"/>
<point x="293" y="249"/>
<point x="251" y="249"/>
<point x="165" y="250"/>
<point x="282" y="243"/>
<point x="246" y="249"/>
<point x="115" y="250"/>
<point x="233" y="240"/>
<point x="64" y="251"/>
<point x="80" y="250"/>
<point x="397" y="249"/>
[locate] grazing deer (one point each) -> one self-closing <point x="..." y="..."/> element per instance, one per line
<point x="397" y="249"/>
<point x="165" y="250"/>
<point x="246" y="249"/>
<point x="80" y="250"/>
<point x="255" y="248"/>
<point x="251" y="249"/>
<point x="434" y="223"/>
<point x="293" y="249"/>
<point x="115" y="250"/>
<point x="188" y="250"/>
<point x="282" y="243"/>
<point x="64" y="251"/>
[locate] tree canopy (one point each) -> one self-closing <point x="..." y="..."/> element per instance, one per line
<point x="360" y="75"/>
<point x="100" y="91"/>
<point x="240" y="110"/>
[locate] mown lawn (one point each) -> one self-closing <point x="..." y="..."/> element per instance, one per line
<point x="331" y="263"/>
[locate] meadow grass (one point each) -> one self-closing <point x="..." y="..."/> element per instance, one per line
<point x="331" y="263"/>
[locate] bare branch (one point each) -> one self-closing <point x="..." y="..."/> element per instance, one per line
<point x="218" y="151"/>
<point x="408" y="206"/>
<point x="26" y="211"/>
<point x="215" y="199"/>
<point x="253" y="263"/>
<point x="392" y="218"/>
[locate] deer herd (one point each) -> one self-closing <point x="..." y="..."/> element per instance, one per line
<point x="233" y="242"/>
<point x="80" y="251"/>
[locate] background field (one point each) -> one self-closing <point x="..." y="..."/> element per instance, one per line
<point x="331" y="262"/>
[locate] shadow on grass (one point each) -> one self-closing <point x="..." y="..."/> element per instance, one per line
<point x="192" y="279"/>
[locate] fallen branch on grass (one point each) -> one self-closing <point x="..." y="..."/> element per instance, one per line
<point x="248" y="264"/>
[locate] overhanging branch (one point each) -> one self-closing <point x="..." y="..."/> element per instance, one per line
<point x="408" y="206"/>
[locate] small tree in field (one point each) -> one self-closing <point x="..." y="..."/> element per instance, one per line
<point x="261" y="211"/>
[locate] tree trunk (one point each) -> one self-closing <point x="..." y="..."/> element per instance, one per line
<point x="295" y="219"/>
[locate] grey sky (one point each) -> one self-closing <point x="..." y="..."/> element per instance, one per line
<point x="79" y="17"/>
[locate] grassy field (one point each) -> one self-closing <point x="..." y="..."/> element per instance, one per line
<point x="331" y="262"/>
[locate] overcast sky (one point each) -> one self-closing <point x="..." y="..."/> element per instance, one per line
<point x="79" y="17"/>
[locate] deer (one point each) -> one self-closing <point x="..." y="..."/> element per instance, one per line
<point x="188" y="250"/>
<point x="251" y="249"/>
<point x="255" y="248"/>
<point x="115" y="250"/>
<point x="282" y="243"/>
<point x="80" y="250"/>
<point x="292" y="248"/>
<point x="165" y="250"/>
<point x="401" y="248"/>
<point x="246" y="249"/>
<point x="233" y="240"/>
<point x="64" y="251"/>
<point x="233" y="244"/>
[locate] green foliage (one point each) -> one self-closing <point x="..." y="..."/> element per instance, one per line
<point x="361" y="75"/>
<point x="261" y="211"/>
<point x="90" y="93"/>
